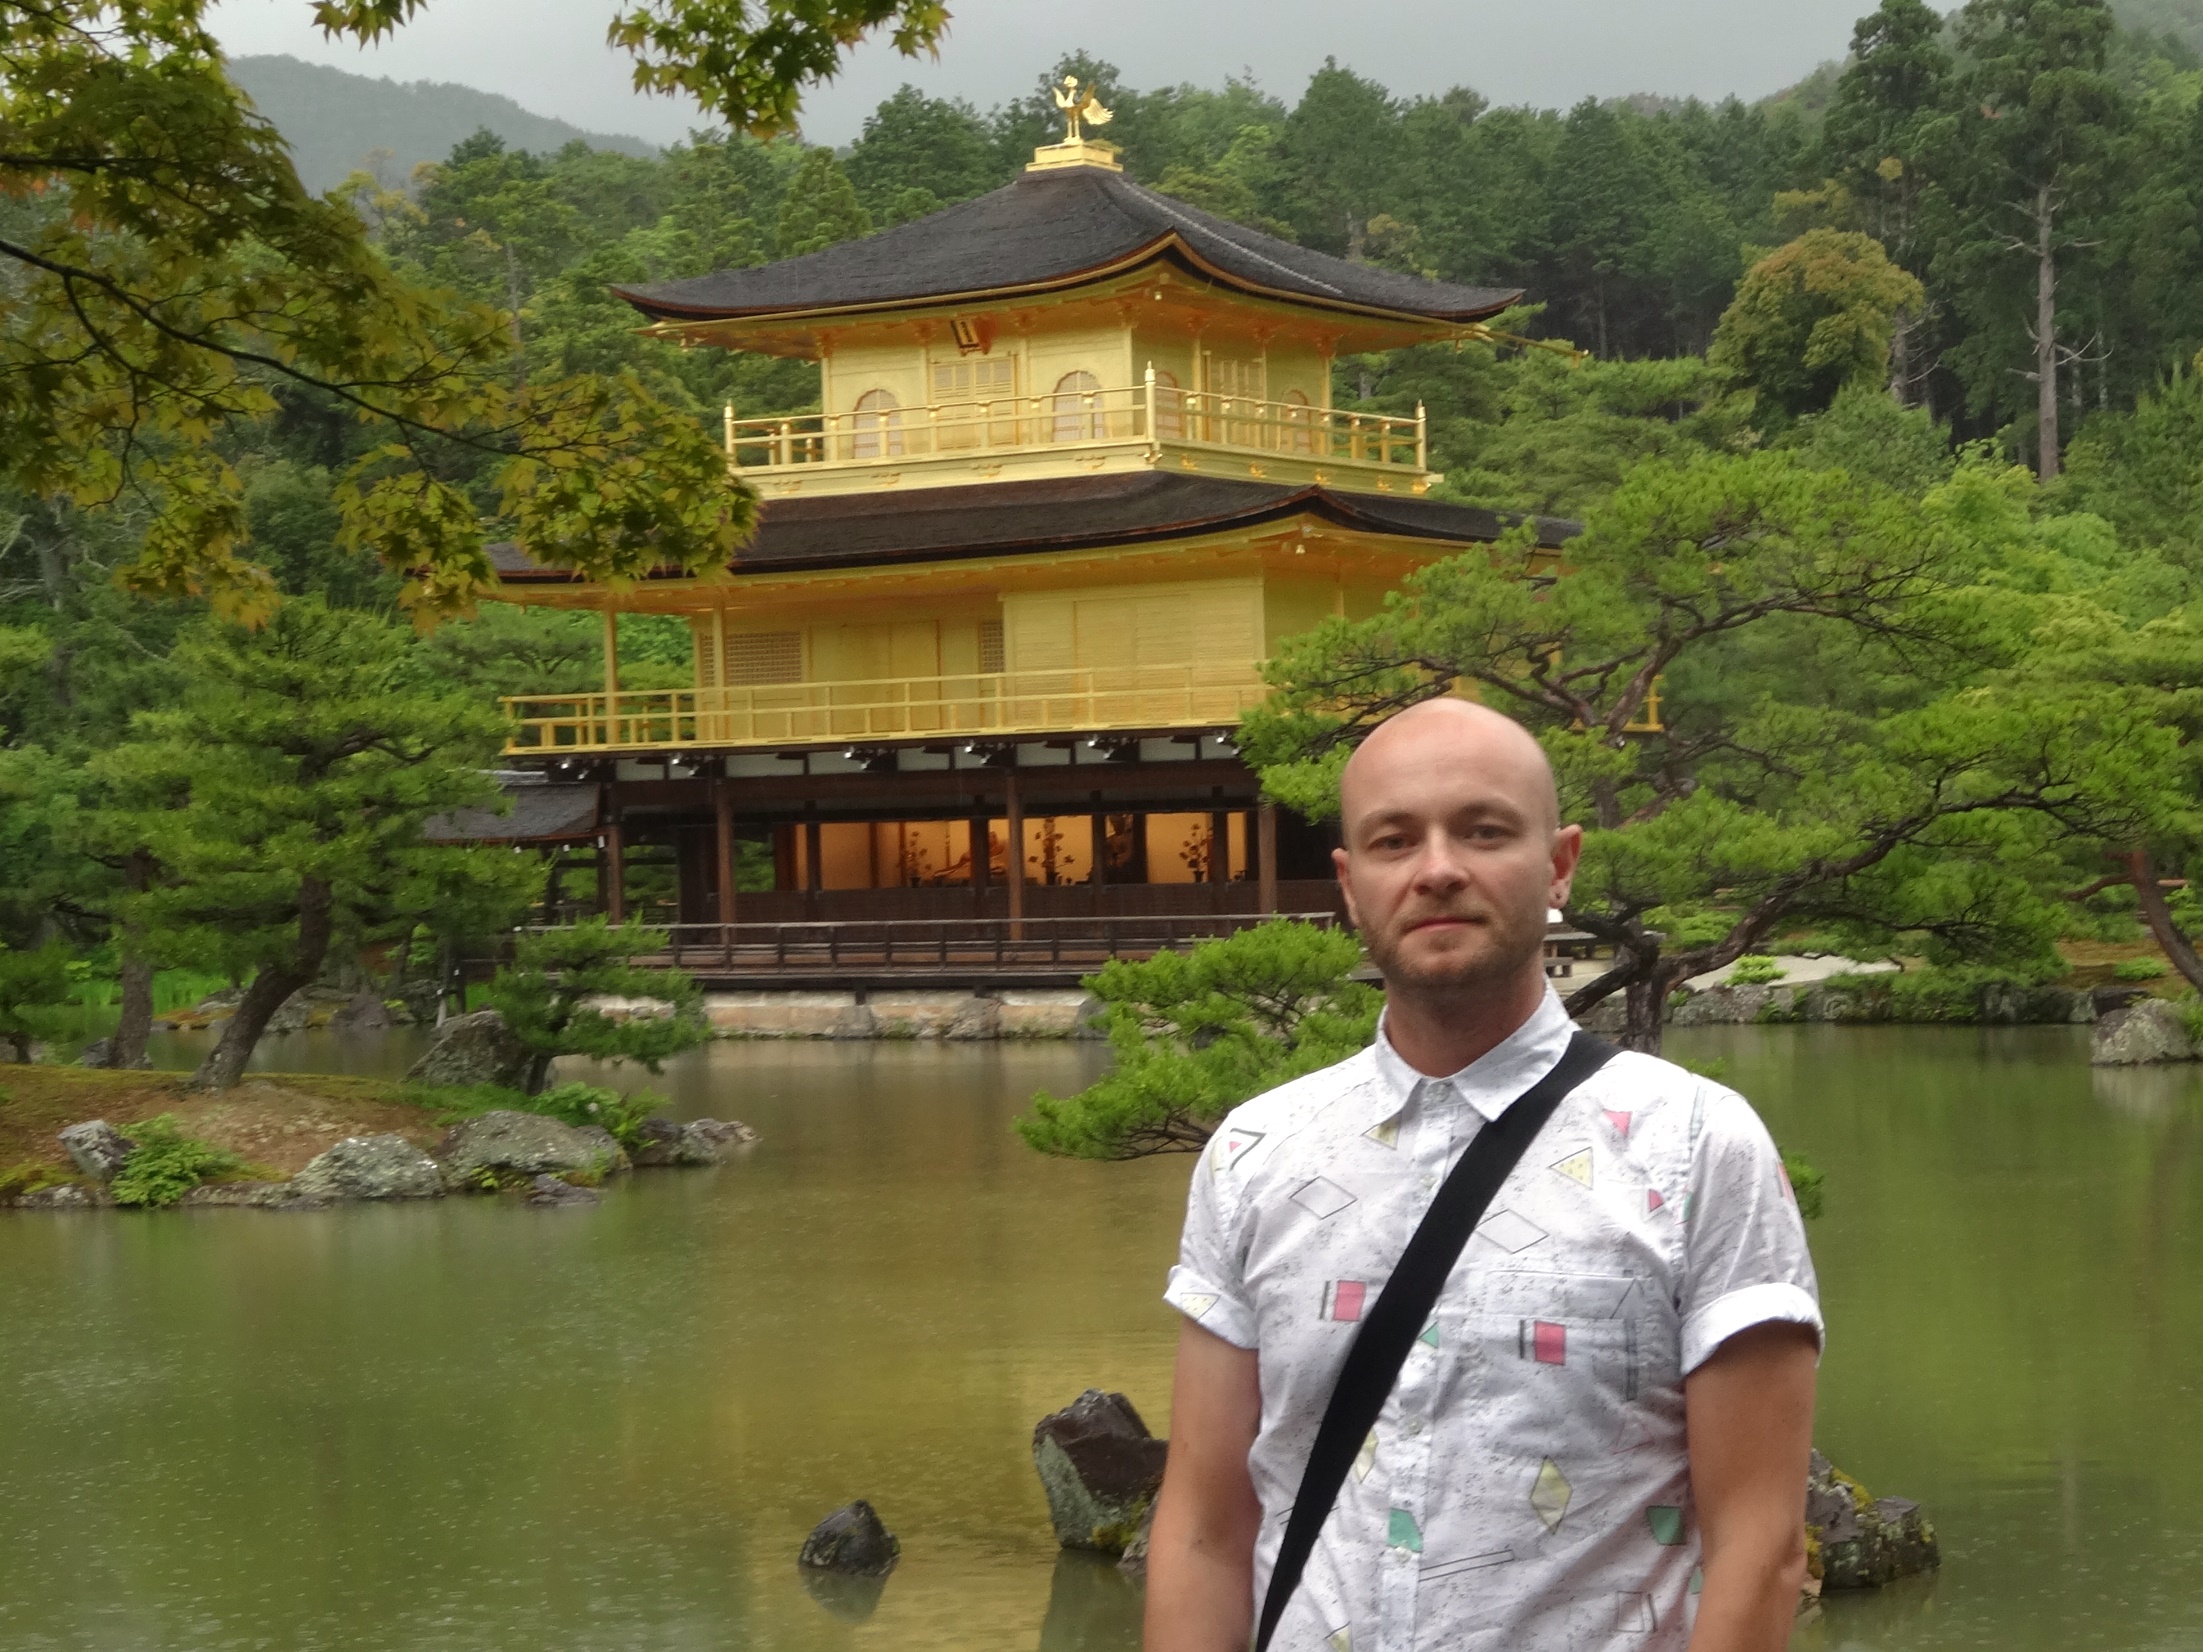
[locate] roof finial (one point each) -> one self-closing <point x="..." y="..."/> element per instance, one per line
<point x="1081" y="109"/>
<point x="1076" y="109"/>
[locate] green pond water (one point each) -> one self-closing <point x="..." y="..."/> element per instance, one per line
<point x="470" y="1425"/>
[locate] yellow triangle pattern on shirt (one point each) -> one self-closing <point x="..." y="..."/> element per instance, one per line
<point x="1366" y="1458"/>
<point x="1577" y="1166"/>
<point x="1386" y="1134"/>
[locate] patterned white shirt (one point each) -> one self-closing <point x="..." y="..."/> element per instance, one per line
<point x="1526" y="1488"/>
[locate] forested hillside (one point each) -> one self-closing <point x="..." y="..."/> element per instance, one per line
<point x="338" y="123"/>
<point x="1967" y="268"/>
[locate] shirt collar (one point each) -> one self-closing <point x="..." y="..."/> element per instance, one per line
<point x="1494" y="1079"/>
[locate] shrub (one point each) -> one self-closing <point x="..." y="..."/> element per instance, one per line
<point x="546" y="997"/>
<point x="1755" y="969"/>
<point x="167" y="1164"/>
<point x="582" y="1105"/>
<point x="2141" y="969"/>
<point x="1807" y="1182"/>
<point x="1197" y="1033"/>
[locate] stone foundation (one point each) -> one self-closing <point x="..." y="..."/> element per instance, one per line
<point x="943" y="1013"/>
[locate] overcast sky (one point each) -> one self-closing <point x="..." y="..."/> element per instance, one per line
<point x="549" y="55"/>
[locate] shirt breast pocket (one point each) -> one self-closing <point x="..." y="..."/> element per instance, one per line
<point x="1563" y="1331"/>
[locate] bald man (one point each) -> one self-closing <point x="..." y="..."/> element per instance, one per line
<point x="1599" y="1442"/>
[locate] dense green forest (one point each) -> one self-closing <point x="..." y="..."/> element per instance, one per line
<point x="1963" y="273"/>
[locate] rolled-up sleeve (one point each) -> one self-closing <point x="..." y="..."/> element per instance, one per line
<point x="1747" y="1263"/>
<point x="1208" y="1284"/>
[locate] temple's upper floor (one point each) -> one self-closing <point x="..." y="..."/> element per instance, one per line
<point x="1070" y="323"/>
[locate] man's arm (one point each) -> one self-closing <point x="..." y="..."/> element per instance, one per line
<point x="1200" y="1557"/>
<point x="1749" y="1412"/>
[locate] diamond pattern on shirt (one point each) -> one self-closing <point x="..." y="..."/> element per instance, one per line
<point x="1323" y="1198"/>
<point x="1511" y="1231"/>
<point x="1550" y="1494"/>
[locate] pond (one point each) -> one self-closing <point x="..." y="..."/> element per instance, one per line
<point x="473" y="1426"/>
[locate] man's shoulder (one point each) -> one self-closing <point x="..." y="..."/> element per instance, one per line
<point x="1297" y="1103"/>
<point x="1670" y="1097"/>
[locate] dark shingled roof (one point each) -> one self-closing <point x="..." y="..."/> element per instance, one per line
<point x="539" y="814"/>
<point x="1061" y="514"/>
<point x="1052" y="229"/>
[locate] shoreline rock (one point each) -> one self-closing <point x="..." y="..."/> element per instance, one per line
<point x="97" y="1148"/>
<point x="1855" y="1540"/>
<point x="370" y="1167"/>
<point x="500" y="1147"/>
<point x="1100" y="1468"/>
<point x="2143" y="1032"/>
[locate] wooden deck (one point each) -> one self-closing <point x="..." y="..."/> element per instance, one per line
<point x="972" y="952"/>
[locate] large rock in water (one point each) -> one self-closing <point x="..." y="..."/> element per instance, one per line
<point x="720" y="1137"/>
<point x="474" y="1049"/>
<point x="1100" y="1468"/>
<point x="853" y="1541"/>
<point x="660" y="1142"/>
<point x="97" y="1148"/>
<point x="371" y="1167"/>
<point x="497" y="1148"/>
<point x="1859" y="1541"/>
<point x="2146" y="1031"/>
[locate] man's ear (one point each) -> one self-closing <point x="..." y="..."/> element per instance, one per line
<point x="1567" y="851"/>
<point x="1339" y="864"/>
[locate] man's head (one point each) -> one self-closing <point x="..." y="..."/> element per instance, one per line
<point x="1454" y="848"/>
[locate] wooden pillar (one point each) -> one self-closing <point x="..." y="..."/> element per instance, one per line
<point x="1013" y="810"/>
<point x="1220" y="847"/>
<point x="982" y="864"/>
<point x="608" y="734"/>
<point x="814" y="867"/>
<point x="1265" y="850"/>
<point x="722" y="798"/>
<point x="615" y="872"/>
<point x="1098" y="848"/>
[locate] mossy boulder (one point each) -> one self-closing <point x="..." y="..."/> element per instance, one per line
<point x="1855" y="1540"/>
<point x="1100" y="1468"/>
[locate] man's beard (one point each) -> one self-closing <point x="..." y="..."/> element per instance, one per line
<point x="1504" y="956"/>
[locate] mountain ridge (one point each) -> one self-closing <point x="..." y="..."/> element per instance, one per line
<point x="335" y="120"/>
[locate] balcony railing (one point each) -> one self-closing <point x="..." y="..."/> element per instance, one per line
<point x="895" y="708"/>
<point x="1155" y="414"/>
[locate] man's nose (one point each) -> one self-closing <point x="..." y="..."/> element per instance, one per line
<point x="1438" y="864"/>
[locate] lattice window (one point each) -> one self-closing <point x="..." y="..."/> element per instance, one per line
<point x="990" y="645"/>
<point x="755" y="657"/>
<point x="975" y="399"/>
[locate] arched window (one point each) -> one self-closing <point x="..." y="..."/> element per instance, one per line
<point x="1300" y="423"/>
<point x="1078" y="408"/>
<point x="879" y="426"/>
<point x="1170" y="407"/>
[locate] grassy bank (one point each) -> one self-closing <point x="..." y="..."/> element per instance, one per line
<point x="278" y="1120"/>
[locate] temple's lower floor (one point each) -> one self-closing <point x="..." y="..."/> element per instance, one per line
<point x="1062" y="829"/>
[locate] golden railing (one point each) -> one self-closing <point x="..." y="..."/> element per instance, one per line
<point x="1149" y="412"/>
<point x="895" y="708"/>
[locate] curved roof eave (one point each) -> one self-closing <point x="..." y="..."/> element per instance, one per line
<point x="1170" y="243"/>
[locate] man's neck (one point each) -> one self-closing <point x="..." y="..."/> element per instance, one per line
<point x="1439" y="1032"/>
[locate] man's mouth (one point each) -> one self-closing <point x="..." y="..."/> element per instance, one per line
<point x="1444" y="920"/>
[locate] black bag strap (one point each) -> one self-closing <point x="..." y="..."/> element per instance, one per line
<point x="1382" y="1340"/>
